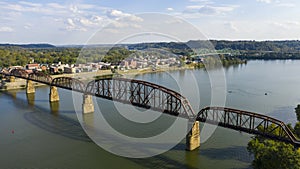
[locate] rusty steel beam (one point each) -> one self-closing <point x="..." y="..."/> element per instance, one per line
<point x="143" y="94"/>
<point x="68" y="83"/>
<point x="20" y="73"/>
<point x="248" y="122"/>
<point x="40" y="77"/>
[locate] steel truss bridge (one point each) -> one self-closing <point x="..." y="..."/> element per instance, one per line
<point x="248" y="122"/>
<point x="152" y="96"/>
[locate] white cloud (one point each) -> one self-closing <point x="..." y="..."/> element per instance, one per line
<point x="170" y="9"/>
<point x="281" y="25"/>
<point x="6" y="29"/>
<point x="71" y="26"/>
<point x="209" y="9"/>
<point x="265" y="1"/>
<point x="56" y="6"/>
<point x="288" y="5"/>
<point x="116" y="14"/>
<point x="97" y="18"/>
<point x="70" y="22"/>
<point x="278" y="3"/>
<point x="215" y="10"/>
<point x="231" y="26"/>
<point x="28" y="26"/>
<point x="28" y="7"/>
<point x="86" y="6"/>
<point x="30" y="4"/>
<point x="9" y="16"/>
<point x="287" y="25"/>
<point x="293" y="23"/>
<point x="203" y="1"/>
<point x="86" y="22"/>
<point x="191" y="7"/>
<point x="74" y="9"/>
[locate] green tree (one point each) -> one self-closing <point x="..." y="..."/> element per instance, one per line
<point x="297" y="129"/>
<point x="297" y="111"/>
<point x="269" y="154"/>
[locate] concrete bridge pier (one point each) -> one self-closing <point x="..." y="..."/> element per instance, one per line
<point x="12" y="79"/>
<point x="30" y="87"/>
<point x="54" y="107"/>
<point x="53" y="95"/>
<point x="30" y="98"/>
<point x="193" y="137"/>
<point x="87" y="105"/>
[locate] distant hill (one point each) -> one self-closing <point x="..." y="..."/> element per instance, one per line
<point x="270" y="46"/>
<point x="41" y="45"/>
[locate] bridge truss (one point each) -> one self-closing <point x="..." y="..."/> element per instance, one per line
<point x="143" y="94"/>
<point x="248" y="122"/>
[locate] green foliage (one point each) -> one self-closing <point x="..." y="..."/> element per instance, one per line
<point x="198" y="65"/>
<point x="291" y="127"/>
<point x="269" y="154"/>
<point x="241" y="49"/>
<point x="12" y="56"/>
<point x="297" y="126"/>
<point x="116" y="54"/>
<point x="175" y="48"/>
<point x="212" y="61"/>
<point x="297" y="111"/>
<point x="297" y="129"/>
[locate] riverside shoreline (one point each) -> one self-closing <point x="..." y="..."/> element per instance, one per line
<point x="19" y="83"/>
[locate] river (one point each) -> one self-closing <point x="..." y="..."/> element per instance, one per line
<point x="36" y="134"/>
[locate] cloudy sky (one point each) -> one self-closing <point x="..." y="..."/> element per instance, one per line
<point x="73" y="22"/>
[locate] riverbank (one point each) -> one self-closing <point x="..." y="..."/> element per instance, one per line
<point x="16" y="85"/>
<point x="88" y="76"/>
<point x="149" y="70"/>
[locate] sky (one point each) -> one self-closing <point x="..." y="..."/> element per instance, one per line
<point x="74" y="22"/>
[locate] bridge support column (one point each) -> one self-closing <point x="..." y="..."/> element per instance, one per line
<point x="30" y="87"/>
<point x="87" y="105"/>
<point x="30" y="98"/>
<point x="53" y="96"/>
<point x="193" y="137"/>
<point x="54" y="107"/>
<point x="12" y="79"/>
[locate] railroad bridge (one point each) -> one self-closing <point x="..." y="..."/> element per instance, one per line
<point x="159" y="98"/>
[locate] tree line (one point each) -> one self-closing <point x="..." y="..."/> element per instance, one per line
<point x="270" y="154"/>
<point x="45" y="53"/>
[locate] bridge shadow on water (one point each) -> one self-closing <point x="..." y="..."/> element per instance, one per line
<point x="191" y="159"/>
<point x="63" y="126"/>
<point x="162" y="162"/>
<point x="238" y="153"/>
<point x="50" y="120"/>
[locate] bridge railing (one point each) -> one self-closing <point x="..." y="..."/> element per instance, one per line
<point x="249" y="122"/>
<point x="40" y="77"/>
